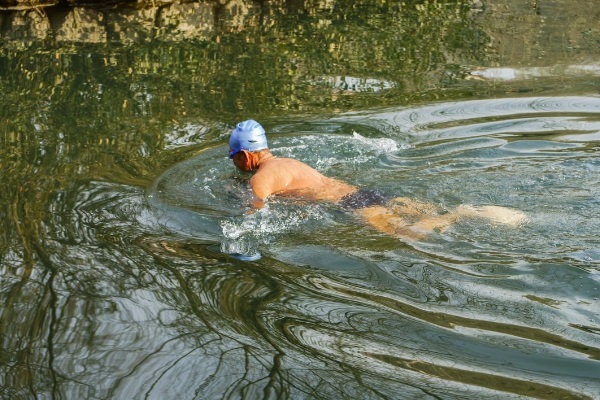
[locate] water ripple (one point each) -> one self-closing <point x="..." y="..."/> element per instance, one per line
<point x="476" y="310"/>
<point x="445" y="114"/>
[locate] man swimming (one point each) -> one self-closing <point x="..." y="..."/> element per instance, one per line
<point x="400" y="216"/>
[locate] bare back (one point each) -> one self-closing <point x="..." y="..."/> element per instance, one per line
<point x="289" y="177"/>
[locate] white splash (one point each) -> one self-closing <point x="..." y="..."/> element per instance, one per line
<point x="380" y="145"/>
<point x="245" y="234"/>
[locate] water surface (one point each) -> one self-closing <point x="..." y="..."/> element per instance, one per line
<point x="119" y="206"/>
<point x="476" y="310"/>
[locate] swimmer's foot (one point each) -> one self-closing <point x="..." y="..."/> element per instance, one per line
<point x="496" y="214"/>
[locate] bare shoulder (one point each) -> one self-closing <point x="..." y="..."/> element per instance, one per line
<point x="288" y="167"/>
<point x="274" y="175"/>
<point x="278" y="162"/>
<point x="290" y="177"/>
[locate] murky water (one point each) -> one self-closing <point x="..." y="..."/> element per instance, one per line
<point x="119" y="206"/>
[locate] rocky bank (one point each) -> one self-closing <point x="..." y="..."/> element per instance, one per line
<point x="126" y="22"/>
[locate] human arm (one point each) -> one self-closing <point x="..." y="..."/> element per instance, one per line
<point x="261" y="189"/>
<point x="267" y="181"/>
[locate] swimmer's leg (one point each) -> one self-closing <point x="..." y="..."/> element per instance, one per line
<point x="496" y="214"/>
<point x="421" y="217"/>
<point x="387" y="221"/>
<point x="429" y="217"/>
<point x="410" y="218"/>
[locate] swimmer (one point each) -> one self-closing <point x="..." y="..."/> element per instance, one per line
<point x="400" y="216"/>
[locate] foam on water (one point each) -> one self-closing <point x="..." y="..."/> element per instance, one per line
<point x="379" y="145"/>
<point x="244" y="234"/>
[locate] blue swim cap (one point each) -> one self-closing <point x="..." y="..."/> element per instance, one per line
<point x="247" y="135"/>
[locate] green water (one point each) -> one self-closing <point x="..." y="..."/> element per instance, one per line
<point x="118" y="205"/>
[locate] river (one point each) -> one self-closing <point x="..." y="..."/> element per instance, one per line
<point x="119" y="208"/>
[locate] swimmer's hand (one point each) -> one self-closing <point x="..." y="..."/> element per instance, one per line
<point x="255" y="205"/>
<point x="257" y="202"/>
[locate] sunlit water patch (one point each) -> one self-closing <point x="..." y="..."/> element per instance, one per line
<point x="511" y="74"/>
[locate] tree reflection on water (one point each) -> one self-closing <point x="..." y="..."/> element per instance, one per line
<point x="99" y="301"/>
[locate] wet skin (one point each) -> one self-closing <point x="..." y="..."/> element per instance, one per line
<point x="403" y="217"/>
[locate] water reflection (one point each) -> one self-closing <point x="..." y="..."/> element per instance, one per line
<point x="511" y="74"/>
<point x="111" y="285"/>
<point x="117" y="197"/>
<point x="484" y="299"/>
